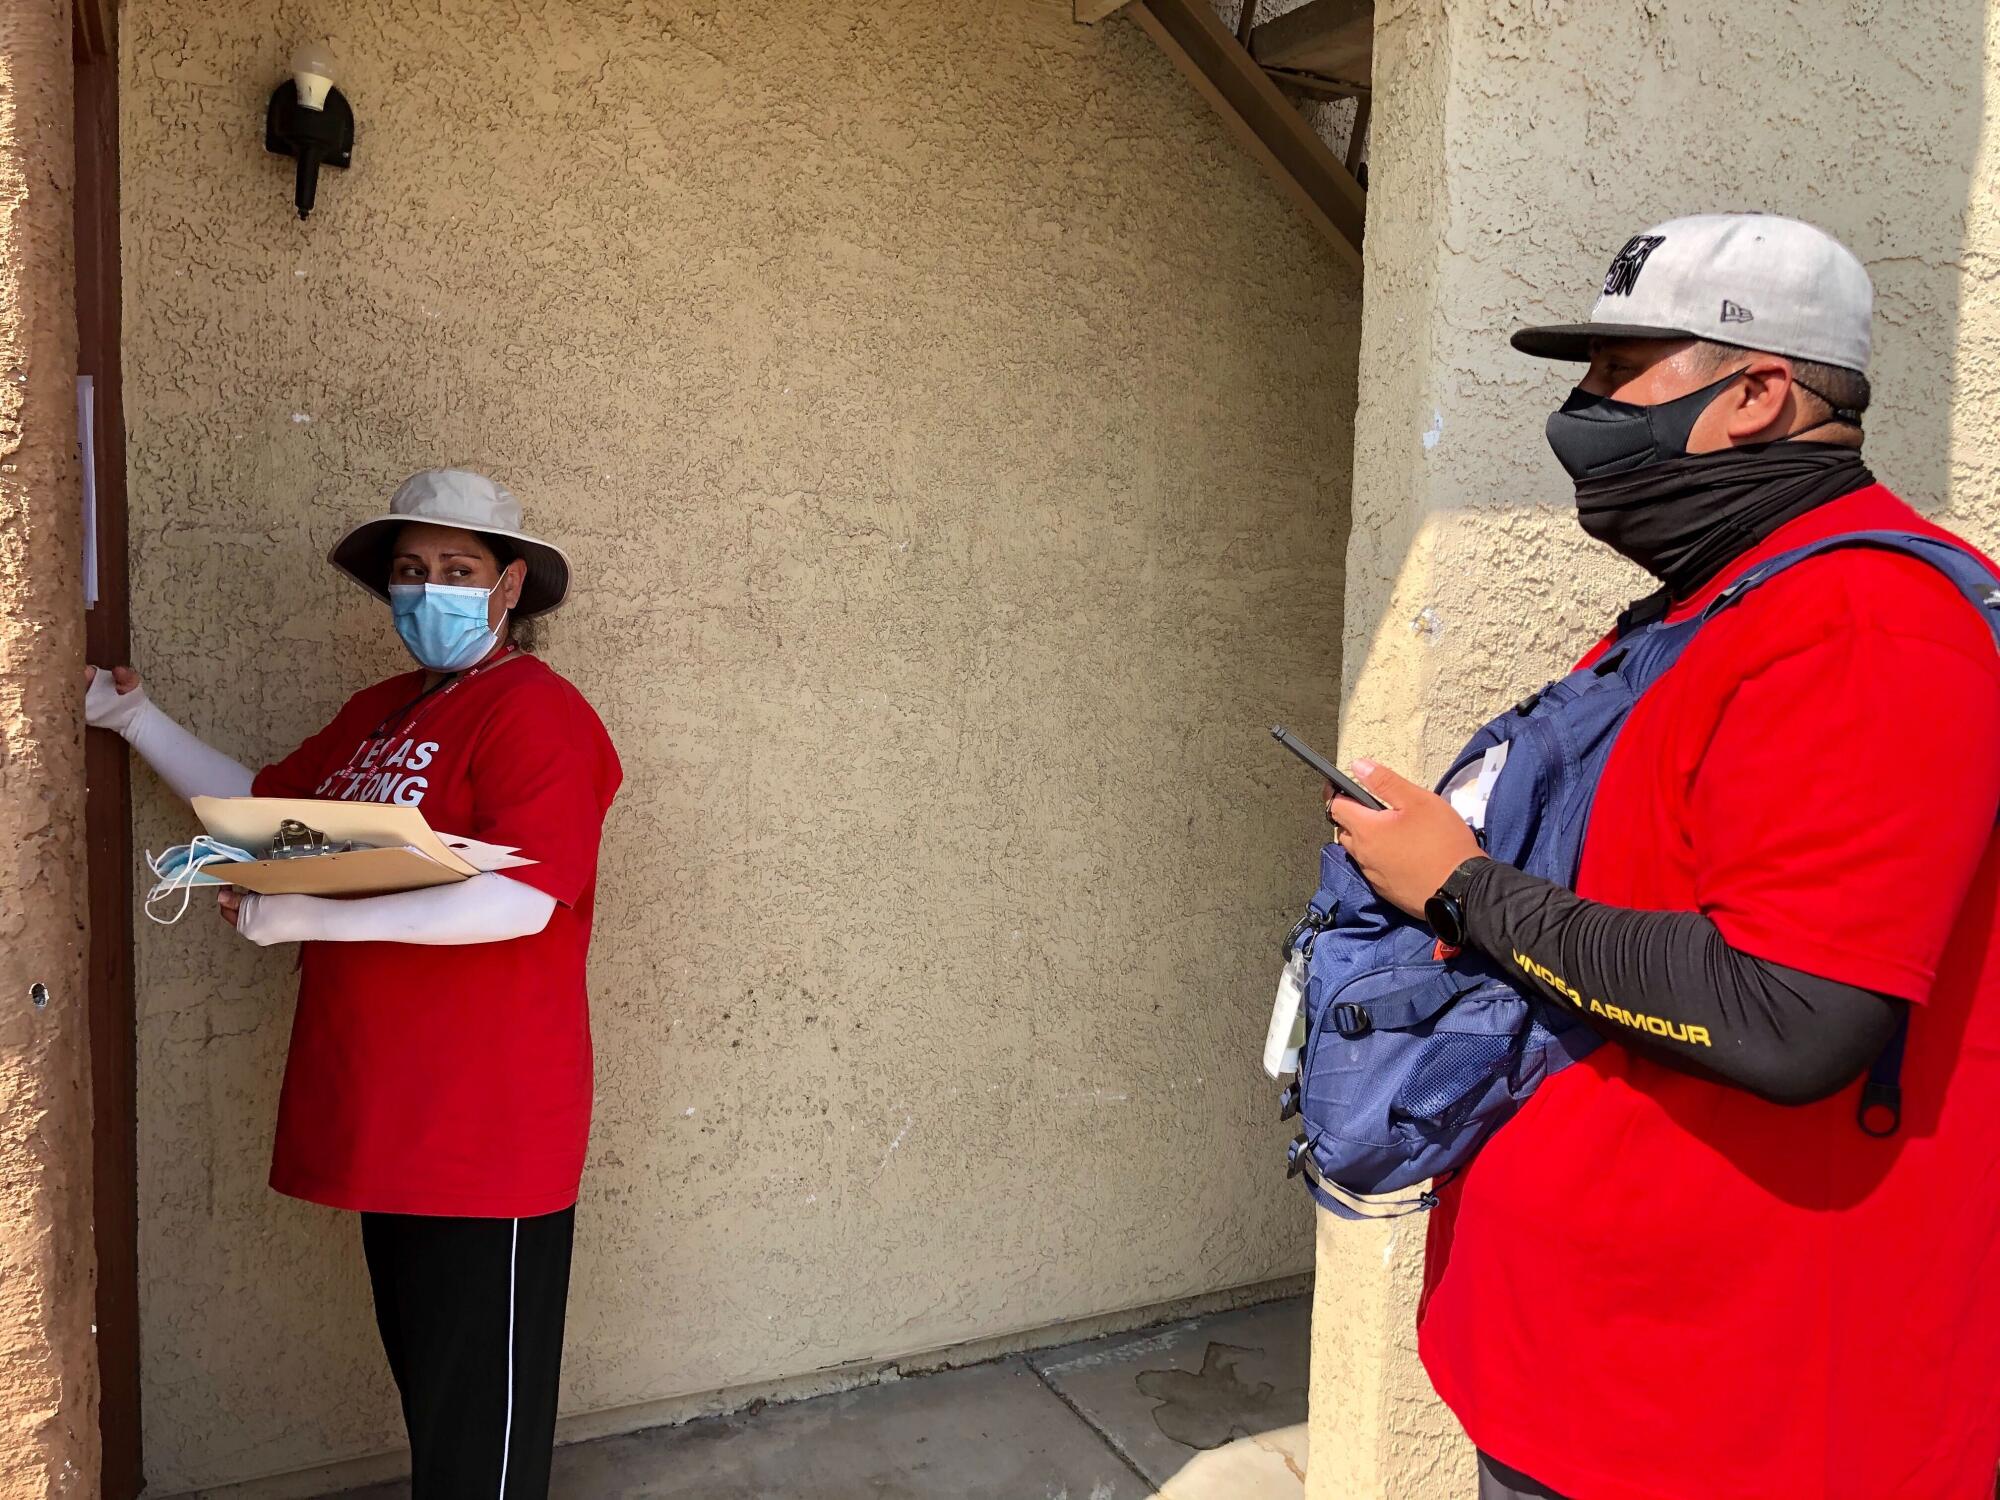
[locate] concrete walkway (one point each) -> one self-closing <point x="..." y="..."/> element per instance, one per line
<point x="1210" y="1409"/>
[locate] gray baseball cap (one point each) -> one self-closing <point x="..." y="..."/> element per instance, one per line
<point x="1757" y="281"/>
<point x="471" y="502"/>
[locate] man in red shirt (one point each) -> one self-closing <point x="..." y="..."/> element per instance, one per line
<point x="1684" y="1271"/>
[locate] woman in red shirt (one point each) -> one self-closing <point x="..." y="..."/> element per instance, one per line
<point x="439" y="1079"/>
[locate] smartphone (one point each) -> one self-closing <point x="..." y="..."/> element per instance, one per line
<point x="1346" y="785"/>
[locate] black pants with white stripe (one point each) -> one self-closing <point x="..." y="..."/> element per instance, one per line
<point x="471" y="1313"/>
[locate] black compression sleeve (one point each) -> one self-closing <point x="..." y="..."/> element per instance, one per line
<point x="1669" y="986"/>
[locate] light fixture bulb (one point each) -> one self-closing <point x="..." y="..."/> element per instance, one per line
<point x="312" y="73"/>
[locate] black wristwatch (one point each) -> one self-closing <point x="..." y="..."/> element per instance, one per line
<point x="1446" y="910"/>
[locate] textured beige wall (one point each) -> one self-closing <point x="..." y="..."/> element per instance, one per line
<point x="1515" y="147"/>
<point x="48" y="1370"/>
<point x="952" y="429"/>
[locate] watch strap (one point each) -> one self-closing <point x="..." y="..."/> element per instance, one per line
<point x="1459" y="882"/>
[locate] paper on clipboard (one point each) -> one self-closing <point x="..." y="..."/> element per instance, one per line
<point x="486" y="858"/>
<point x="403" y="852"/>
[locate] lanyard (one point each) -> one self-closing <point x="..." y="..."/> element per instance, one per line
<point x="435" y="694"/>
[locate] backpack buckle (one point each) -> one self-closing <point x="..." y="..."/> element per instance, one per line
<point x="1295" y="1157"/>
<point x="1352" y="1021"/>
<point x="1288" y="1103"/>
<point x="1312" y="922"/>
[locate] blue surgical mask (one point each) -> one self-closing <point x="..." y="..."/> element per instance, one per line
<point x="444" y="626"/>
<point x="185" y="866"/>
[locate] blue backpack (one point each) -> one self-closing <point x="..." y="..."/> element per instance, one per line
<point x="1414" y="1055"/>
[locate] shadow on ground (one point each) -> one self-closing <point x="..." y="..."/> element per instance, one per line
<point x="1207" y="1409"/>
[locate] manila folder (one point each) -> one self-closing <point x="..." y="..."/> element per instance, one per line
<point x="404" y="853"/>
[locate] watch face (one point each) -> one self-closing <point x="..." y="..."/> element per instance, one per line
<point x="1446" y="918"/>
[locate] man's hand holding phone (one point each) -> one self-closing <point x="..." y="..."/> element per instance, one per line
<point x="1403" y="838"/>
<point x="1407" y="849"/>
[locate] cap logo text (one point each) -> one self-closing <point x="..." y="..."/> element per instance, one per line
<point x="1734" y="312"/>
<point x="1627" y="263"/>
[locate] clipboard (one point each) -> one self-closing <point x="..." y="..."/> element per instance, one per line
<point x="405" y="853"/>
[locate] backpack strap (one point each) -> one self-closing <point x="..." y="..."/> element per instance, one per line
<point x="1359" y="1207"/>
<point x="1642" y="612"/>
<point x="1637" y="618"/>
<point x="1645" y="657"/>
<point x="1880" y="1112"/>
<point x="1971" y="576"/>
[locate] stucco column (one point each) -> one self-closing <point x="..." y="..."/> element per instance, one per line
<point x="48" y="1367"/>
<point x="1514" y="148"/>
<point x="1377" y="1429"/>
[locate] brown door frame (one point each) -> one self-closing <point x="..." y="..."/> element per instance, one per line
<point x="108" y="807"/>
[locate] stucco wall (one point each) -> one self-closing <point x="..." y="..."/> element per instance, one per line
<point x="951" y="428"/>
<point x="48" y="1398"/>
<point x="1515" y="147"/>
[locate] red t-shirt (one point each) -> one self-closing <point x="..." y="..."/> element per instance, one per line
<point x="453" y="1080"/>
<point x="1651" y="1287"/>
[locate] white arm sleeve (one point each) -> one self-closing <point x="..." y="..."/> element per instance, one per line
<point x="183" y="762"/>
<point x="484" y="909"/>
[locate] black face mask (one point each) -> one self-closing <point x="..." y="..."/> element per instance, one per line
<point x="1594" y="435"/>
<point x="1685" y="519"/>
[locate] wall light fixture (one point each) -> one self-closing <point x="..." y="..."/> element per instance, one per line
<point x="310" y="119"/>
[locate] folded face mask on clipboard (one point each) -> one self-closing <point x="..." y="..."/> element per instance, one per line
<point x="185" y="866"/>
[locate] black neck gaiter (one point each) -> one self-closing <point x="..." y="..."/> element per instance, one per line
<point x="1686" y="519"/>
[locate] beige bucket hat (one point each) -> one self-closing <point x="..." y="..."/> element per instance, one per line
<point x="454" y="497"/>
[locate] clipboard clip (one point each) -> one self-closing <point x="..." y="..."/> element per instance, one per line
<point x="295" y="840"/>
